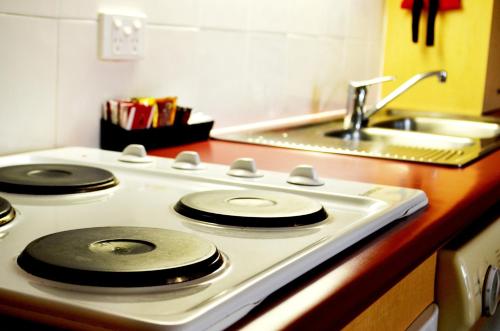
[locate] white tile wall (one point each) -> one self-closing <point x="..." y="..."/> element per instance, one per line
<point x="336" y="18"/>
<point x="237" y="60"/>
<point x="331" y="93"/>
<point x="224" y="14"/>
<point x="84" y="82"/>
<point x="308" y="17"/>
<point x="28" y="67"/>
<point x="301" y="80"/>
<point x="171" y="12"/>
<point x="365" y="19"/>
<point x="267" y="67"/>
<point x="270" y="16"/>
<point x="47" y="8"/>
<point x="222" y="75"/>
<point x="88" y="9"/>
<point x="170" y="66"/>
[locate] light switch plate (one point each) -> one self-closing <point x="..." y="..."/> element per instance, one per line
<point x="121" y="37"/>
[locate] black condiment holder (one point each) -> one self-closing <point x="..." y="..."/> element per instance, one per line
<point x="115" y="138"/>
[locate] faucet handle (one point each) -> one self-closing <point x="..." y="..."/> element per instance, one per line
<point x="373" y="81"/>
<point x="355" y="110"/>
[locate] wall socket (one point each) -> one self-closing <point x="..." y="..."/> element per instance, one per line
<point x="121" y="37"/>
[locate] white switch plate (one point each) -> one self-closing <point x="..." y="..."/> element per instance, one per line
<point x="121" y="37"/>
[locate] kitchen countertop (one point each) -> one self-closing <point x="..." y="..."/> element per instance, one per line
<point x="340" y="288"/>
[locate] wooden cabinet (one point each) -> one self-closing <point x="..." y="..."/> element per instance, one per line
<point x="400" y="306"/>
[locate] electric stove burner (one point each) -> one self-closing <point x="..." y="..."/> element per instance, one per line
<point x="54" y="179"/>
<point x="253" y="208"/>
<point x="7" y="213"/>
<point x="120" y="257"/>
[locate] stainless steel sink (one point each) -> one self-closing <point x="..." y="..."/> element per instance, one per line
<point x="402" y="138"/>
<point x="401" y="135"/>
<point x="460" y="127"/>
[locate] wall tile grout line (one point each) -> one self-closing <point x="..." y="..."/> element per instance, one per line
<point x="56" y="94"/>
<point x="29" y="15"/>
<point x="201" y="28"/>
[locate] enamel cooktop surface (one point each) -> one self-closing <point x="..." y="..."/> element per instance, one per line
<point x="171" y="244"/>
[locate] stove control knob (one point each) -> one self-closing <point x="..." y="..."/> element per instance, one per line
<point x="188" y="160"/>
<point x="244" y="167"/>
<point x="304" y="175"/>
<point x="135" y="153"/>
<point x="491" y="291"/>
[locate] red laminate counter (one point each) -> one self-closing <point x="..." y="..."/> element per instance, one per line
<point x="339" y="289"/>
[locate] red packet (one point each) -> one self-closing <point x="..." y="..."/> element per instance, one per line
<point x="141" y="116"/>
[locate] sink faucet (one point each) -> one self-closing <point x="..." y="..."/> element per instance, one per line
<point x="357" y="114"/>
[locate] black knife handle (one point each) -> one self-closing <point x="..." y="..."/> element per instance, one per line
<point x="416" y="10"/>
<point x="431" y="21"/>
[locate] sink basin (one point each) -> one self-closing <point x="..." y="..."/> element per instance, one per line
<point x="443" y="126"/>
<point x="401" y="135"/>
<point x="403" y="138"/>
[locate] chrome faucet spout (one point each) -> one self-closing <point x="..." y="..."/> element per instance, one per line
<point x="441" y="75"/>
<point x="357" y="114"/>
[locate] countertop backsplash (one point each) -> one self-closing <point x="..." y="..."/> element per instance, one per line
<point x="239" y="61"/>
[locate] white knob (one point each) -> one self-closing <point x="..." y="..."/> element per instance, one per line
<point x="127" y="30"/>
<point x="304" y="175"/>
<point x="244" y="167"/>
<point x="187" y="160"/>
<point x="491" y="291"/>
<point x="117" y="23"/>
<point x="137" y="24"/>
<point x="135" y="153"/>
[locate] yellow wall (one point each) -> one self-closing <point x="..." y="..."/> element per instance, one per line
<point x="460" y="47"/>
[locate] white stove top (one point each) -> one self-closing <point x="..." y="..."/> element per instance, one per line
<point x="257" y="261"/>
